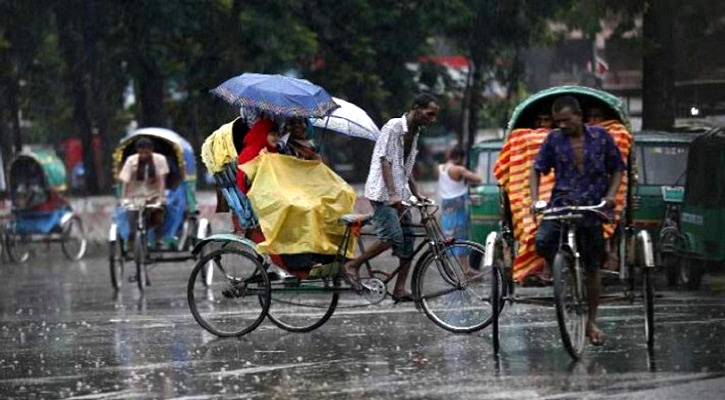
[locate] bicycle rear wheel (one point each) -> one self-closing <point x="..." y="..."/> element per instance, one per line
<point x="17" y="247"/>
<point x="238" y="296"/>
<point x="571" y="307"/>
<point x="455" y="294"/>
<point x="302" y="305"/>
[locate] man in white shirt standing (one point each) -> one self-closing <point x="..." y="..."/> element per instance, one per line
<point x="389" y="182"/>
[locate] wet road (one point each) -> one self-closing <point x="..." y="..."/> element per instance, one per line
<point x="64" y="333"/>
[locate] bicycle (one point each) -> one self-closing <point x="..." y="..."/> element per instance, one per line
<point x="243" y="293"/>
<point x="141" y="210"/>
<point x="569" y="297"/>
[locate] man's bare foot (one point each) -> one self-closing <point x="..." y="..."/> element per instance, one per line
<point x="352" y="276"/>
<point x="402" y="296"/>
<point x="596" y="337"/>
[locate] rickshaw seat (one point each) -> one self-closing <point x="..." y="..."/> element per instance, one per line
<point x="354" y="219"/>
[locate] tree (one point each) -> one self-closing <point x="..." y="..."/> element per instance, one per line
<point x="489" y="32"/>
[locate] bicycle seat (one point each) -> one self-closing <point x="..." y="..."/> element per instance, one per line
<point x="352" y="219"/>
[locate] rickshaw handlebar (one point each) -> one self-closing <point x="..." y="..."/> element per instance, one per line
<point x="568" y="212"/>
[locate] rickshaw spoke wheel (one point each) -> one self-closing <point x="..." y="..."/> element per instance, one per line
<point x="17" y="248"/>
<point x="74" y="242"/>
<point x="571" y="307"/>
<point x="140" y="258"/>
<point x="454" y="292"/>
<point x="302" y="305"/>
<point x="115" y="261"/>
<point x="648" y="289"/>
<point x="238" y="295"/>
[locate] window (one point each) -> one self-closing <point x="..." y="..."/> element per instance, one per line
<point x="663" y="165"/>
<point x="483" y="166"/>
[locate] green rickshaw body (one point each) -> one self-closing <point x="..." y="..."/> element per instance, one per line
<point x="485" y="204"/>
<point x="54" y="174"/>
<point x="661" y="160"/>
<point x="703" y="210"/>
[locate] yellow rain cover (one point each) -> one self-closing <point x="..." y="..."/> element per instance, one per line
<point x="298" y="203"/>
<point x="218" y="148"/>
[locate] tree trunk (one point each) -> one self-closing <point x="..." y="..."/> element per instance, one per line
<point x="658" y="86"/>
<point x="14" y="109"/>
<point x="151" y="93"/>
<point x="76" y="56"/>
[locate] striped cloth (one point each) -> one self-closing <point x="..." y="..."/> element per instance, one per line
<point x="513" y="169"/>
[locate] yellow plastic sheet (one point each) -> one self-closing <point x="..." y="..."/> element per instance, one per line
<point x="298" y="203"/>
<point x="218" y="148"/>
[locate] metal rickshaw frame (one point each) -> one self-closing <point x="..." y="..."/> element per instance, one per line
<point x="640" y="242"/>
<point x="193" y="228"/>
<point x="59" y="224"/>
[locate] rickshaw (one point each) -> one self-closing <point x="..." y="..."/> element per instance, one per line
<point x="182" y="228"/>
<point x="246" y="288"/>
<point x="699" y="242"/>
<point x="40" y="214"/>
<point x="514" y="239"/>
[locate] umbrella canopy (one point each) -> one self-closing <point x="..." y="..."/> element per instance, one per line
<point x="276" y="95"/>
<point x="350" y="120"/>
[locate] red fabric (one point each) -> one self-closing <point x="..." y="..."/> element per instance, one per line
<point x="254" y="142"/>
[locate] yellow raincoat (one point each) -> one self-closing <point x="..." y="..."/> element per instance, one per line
<point x="298" y="203"/>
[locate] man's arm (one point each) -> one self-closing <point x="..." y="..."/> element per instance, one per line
<point x="611" y="198"/>
<point x="534" y="180"/>
<point x="470" y="176"/>
<point x="387" y="168"/>
<point x="414" y="188"/>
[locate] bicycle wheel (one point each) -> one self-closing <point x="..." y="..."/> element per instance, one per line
<point x="571" y="308"/>
<point x="74" y="240"/>
<point x="302" y="305"/>
<point x="140" y="258"/>
<point x="115" y="261"/>
<point x="452" y="294"/>
<point x="17" y="247"/>
<point x="238" y="298"/>
<point x="648" y="294"/>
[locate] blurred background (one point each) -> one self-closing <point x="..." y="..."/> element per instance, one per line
<point x="77" y="75"/>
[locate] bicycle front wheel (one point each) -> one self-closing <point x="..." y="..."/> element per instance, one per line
<point x="571" y="307"/>
<point x="302" y="305"/>
<point x="74" y="242"/>
<point x="454" y="292"/>
<point x="237" y="297"/>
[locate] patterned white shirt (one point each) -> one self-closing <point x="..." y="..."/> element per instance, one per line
<point x="390" y="146"/>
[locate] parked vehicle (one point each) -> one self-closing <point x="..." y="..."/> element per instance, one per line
<point x="699" y="246"/>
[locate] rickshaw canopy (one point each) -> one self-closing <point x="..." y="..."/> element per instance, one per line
<point x="52" y="167"/>
<point x="707" y="167"/>
<point x="524" y="113"/>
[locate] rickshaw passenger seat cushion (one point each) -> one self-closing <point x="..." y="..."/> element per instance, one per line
<point x="356" y="219"/>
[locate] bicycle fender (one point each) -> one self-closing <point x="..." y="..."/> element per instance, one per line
<point x="225" y="238"/>
<point x="644" y="240"/>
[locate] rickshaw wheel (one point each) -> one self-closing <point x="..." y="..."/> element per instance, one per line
<point x="570" y="303"/>
<point x="453" y="301"/>
<point x="74" y="233"/>
<point x="302" y="305"/>
<point x="238" y="298"/>
<point x="17" y="248"/>
<point x="691" y="273"/>
<point x="140" y="258"/>
<point x="115" y="261"/>
<point x="648" y="289"/>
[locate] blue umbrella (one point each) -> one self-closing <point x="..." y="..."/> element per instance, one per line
<point x="277" y="95"/>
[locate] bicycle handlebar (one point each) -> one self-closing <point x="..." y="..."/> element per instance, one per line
<point x="554" y="212"/>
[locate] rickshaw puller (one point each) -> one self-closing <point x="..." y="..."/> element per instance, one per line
<point x="144" y="176"/>
<point x="588" y="168"/>
<point x="389" y="181"/>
